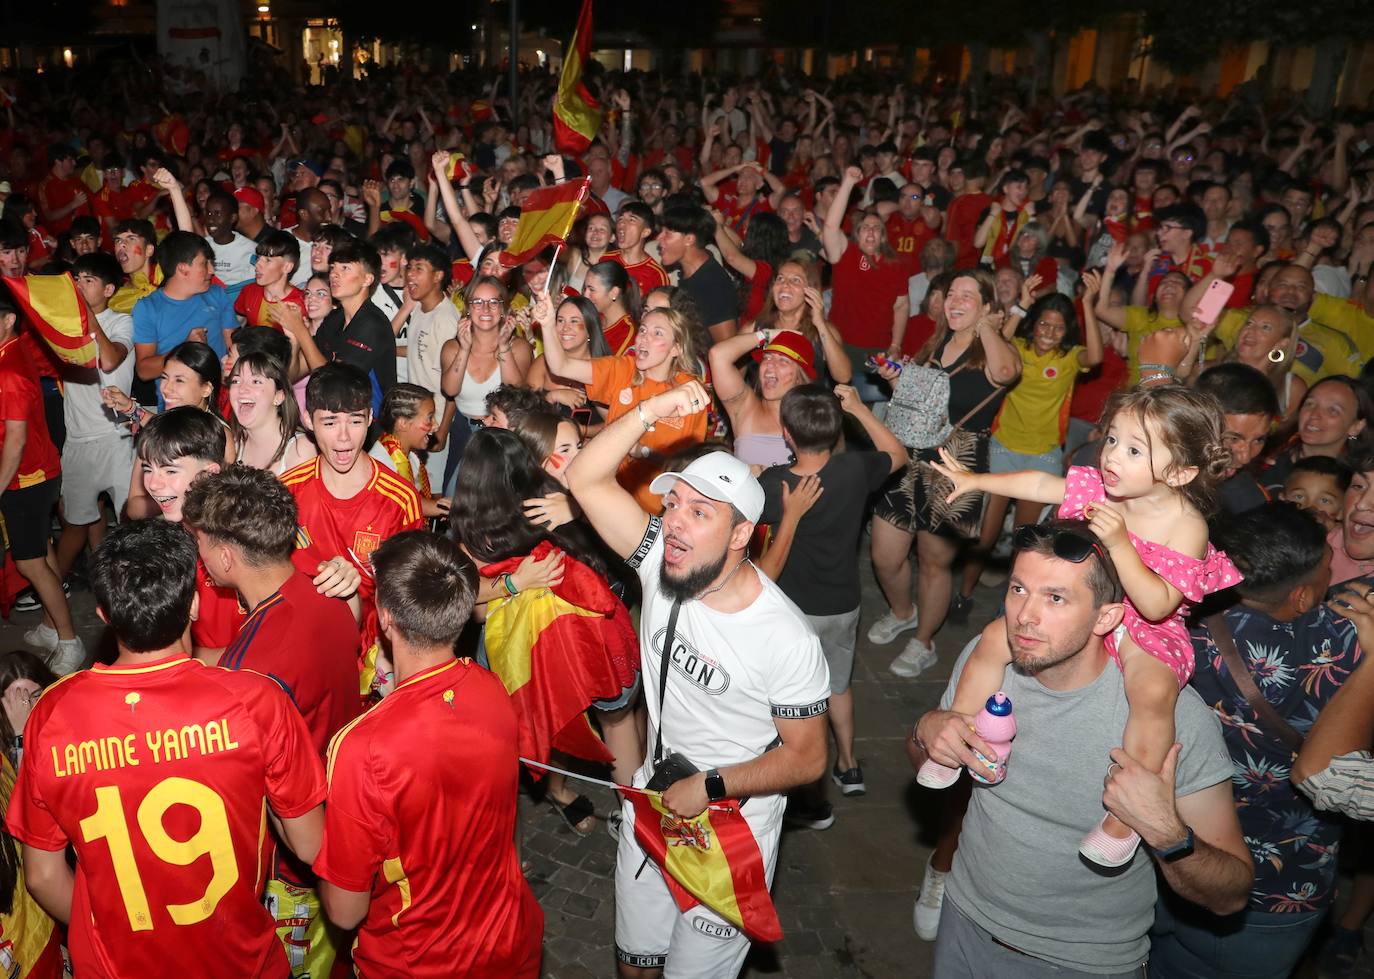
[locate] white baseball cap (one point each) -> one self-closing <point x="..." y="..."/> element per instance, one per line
<point x="719" y="476"/>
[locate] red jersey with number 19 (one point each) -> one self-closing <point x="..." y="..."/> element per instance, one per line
<point x="432" y="838"/>
<point x="160" y="775"/>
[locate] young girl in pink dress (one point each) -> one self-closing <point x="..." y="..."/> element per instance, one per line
<point x="1162" y="465"/>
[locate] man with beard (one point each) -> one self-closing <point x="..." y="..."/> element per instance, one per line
<point x="746" y="695"/>
<point x="1020" y="901"/>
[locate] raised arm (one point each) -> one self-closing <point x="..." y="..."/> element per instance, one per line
<point x="556" y="359"/>
<point x="879" y="434"/>
<point x="726" y="377"/>
<point x="457" y="220"/>
<point x="731" y="248"/>
<point x="612" y="511"/>
<point x="832" y="232"/>
<point x="709" y="183"/>
<point x="182" y="211"/>
<point x="1092" y="353"/>
<point x="1113" y="317"/>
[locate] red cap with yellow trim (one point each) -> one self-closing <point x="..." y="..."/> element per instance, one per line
<point x="794" y="346"/>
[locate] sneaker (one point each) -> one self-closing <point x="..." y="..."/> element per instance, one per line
<point x="933" y="775"/>
<point x="28" y="599"/>
<point x="850" y="781"/>
<point x="914" y="659"/>
<point x="928" y="905"/>
<point x="959" y="608"/>
<point x="889" y="627"/>
<point x="68" y="656"/>
<point x="1105" y="850"/>
<point x="809" y="817"/>
<point x="1342" y="952"/>
<point x="42" y="636"/>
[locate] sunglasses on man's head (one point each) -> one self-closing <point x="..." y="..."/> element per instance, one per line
<point x="1068" y="545"/>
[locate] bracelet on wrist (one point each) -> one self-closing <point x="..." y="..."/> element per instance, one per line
<point x="507" y="582"/>
<point x="648" y="425"/>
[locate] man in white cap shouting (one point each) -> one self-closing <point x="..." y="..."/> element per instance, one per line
<point x="734" y="678"/>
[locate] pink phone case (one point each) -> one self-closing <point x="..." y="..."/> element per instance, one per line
<point x="1213" y="301"/>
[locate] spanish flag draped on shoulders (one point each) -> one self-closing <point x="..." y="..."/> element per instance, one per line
<point x="558" y="650"/>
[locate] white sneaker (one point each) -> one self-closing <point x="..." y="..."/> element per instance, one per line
<point x="68" y="656"/>
<point x="928" y="905"/>
<point x="889" y="627"/>
<point x="42" y="636"/>
<point x="916" y="658"/>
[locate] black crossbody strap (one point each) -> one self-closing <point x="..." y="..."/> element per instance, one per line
<point x="663" y="664"/>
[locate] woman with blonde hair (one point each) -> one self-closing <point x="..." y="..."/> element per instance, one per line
<point x="665" y="356"/>
<point x="794" y="302"/>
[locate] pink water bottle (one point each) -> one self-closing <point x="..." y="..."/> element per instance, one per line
<point x="995" y="725"/>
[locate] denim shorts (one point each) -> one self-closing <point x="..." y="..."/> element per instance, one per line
<point x="1003" y="460"/>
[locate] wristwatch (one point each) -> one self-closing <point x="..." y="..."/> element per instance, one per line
<point x="715" y="789"/>
<point x="1179" y="850"/>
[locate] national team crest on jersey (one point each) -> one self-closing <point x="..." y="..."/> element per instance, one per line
<point x="365" y="542"/>
<point x="1308" y="355"/>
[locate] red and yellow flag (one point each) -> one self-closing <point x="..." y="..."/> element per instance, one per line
<point x="576" y="115"/>
<point x="557" y="651"/>
<point x="712" y="860"/>
<point x="59" y="314"/>
<point x="545" y="219"/>
<point x="172" y="135"/>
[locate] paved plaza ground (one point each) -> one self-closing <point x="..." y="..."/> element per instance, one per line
<point x="844" y="895"/>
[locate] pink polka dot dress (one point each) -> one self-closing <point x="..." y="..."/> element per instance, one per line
<point x="1167" y="641"/>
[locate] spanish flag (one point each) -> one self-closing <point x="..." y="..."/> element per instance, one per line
<point x="172" y="134"/>
<point x="576" y="115"/>
<point x="545" y="219"/>
<point x="712" y="860"/>
<point x="59" y="314"/>
<point x="558" y="650"/>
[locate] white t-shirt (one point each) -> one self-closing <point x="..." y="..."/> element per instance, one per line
<point x="87" y="419"/>
<point x="234" y="261"/>
<point x="428" y="334"/>
<point x="303" y="272"/>
<point x="733" y="673"/>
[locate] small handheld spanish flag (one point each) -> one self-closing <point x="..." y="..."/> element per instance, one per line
<point x="545" y="219"/>
<point x="58" y="313"/>
<point x="712" y="860"/>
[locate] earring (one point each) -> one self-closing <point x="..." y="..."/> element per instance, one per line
<point x="1277" y="356"/>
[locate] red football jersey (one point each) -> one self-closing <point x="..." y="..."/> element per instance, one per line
<point x="352" y="528"/>
<point x="21" y="400"/>
<point x="160" y="775"/>
<point x="309" y="644"/>
<point x="219" y="615"/>
<point x="256" y="309"/>
<point x="648" y="273"/>
<point x="424" y="838"/>
<point x="907" y="238"/>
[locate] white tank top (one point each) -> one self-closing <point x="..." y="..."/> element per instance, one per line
<point x="472" y="397"/>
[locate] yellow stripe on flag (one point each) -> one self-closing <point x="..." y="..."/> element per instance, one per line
<point x="576" y="115"/>
<point x="546" y="219"/>
<point x="513" y="630"/>
<point x="59" y="315"/>
<point x="698" y="862"/>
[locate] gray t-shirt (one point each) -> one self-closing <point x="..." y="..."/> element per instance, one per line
<point x="1017" y="872"/>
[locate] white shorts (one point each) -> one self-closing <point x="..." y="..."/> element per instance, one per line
<point x="91" y="467"/>
<point x="650" y="931"/>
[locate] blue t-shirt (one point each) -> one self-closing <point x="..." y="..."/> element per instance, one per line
<point x="1298" y="667"/>
<point x="166" y="322"/>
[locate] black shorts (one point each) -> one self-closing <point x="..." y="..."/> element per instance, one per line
<point x="914" y="496"/>
<point x="28" y="518"/>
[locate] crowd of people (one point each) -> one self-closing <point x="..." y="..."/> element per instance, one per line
<point x="344" y="472"/>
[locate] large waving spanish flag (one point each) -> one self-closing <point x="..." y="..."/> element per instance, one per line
<point x="546" y="218"/>
<point x="712" y="860"/>
<point x="59" y="314"/>
<point x="576" y="115"/>
<point x="558" y="650"/>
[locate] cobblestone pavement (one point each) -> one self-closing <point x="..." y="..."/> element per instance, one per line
<point x="844" y="895"/>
